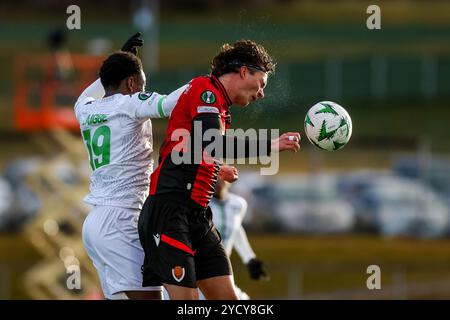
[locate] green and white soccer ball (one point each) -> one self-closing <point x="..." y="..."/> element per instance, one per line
<point x="328" y="126"/>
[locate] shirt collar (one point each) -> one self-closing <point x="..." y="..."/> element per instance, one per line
<point x="221" y="88"/>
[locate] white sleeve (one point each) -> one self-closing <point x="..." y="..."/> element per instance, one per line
<point x="93" y="92"/>
<point x="172" y="100"/>
<point x="154" y="105"/>
<point x="242" y="246"/>
<point x="146" y="105"/>
<point x="241" y="243"/>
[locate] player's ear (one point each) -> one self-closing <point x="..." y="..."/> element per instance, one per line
<point x="130" y="84"/>
<point x="243" y="72"/>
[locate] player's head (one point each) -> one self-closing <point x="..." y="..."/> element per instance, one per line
<point x="222" y="188"/>
<point x="122" y="72"/>
<point x="247" y="65"/>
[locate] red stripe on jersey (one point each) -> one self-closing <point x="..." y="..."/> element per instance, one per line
<point x="203" y="189"/>
<point x="177" y="244"/>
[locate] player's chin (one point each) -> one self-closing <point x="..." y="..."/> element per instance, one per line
<point x="243" y="104"/>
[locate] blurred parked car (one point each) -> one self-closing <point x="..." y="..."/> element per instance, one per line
<point x="393" y="205"/>
<point x="6" y="203"/>
<point x="302" y="203"/>
<point x="432" y="171"/>
<point x="24" y="203"/>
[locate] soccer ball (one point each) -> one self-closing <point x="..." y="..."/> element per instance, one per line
<point x="328" y="126"/>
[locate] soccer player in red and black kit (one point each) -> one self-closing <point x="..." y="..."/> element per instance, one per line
<point x="182" y="248"/>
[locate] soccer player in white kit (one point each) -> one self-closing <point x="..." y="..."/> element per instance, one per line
<point x="114" y="115"/>
<point x="228" y="213"/>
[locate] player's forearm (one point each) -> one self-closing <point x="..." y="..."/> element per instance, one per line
<point x="242" y="246"/>
<point x="235" y="148"/>
<point x="151" y="105"/>
<point x="161" y="106"/>
<point x="230" y="147"/>
<point x="172" y="99"/>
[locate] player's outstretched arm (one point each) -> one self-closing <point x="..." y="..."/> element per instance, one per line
<point x="153" y="104"/>
<point x="133" y="44"/>
<point x="94" y="92"/>
<point x="242" y="246"/>
<point x="241" y="243"/>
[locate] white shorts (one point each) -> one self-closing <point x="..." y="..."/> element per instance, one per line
<point x="111" y="239"/>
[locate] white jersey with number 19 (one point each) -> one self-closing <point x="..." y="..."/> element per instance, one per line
<point x="117" y="133"/>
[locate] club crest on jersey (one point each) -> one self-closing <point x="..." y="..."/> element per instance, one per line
<point x="178" y="273"/>
<point x="144" y="95"/>
<point x="208" y="97"/>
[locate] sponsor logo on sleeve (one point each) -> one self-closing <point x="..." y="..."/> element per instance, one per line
<point x="206" y="109"/>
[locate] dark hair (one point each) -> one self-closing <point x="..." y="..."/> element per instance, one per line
<point x="118" y="66"/>
<point x="241" y="53"/>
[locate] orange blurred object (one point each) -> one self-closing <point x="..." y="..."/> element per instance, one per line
<point x="46" y="88"/>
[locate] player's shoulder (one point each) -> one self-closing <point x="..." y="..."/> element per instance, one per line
<point x="131" y="98"/>
<point x="129" y="102"/>
<point x="203" y="96"/>
<point x="84" y="102"/>
<point x="114" y="104"/>
<point x="83" y="107"/>
<point x="202" y="81"/>
<point x="204" y="88"/>
<point x="142" y="96"/>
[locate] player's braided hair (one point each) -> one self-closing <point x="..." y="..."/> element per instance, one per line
<point x="118" y="66"/>
<point x="242" y="53"/>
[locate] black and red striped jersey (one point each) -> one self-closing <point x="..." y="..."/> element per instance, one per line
<point x="196" y="181"/>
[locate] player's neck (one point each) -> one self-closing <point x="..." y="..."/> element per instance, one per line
<point x="122" y="89"/>
<point x="111" y="93"/>
<point x="227" y="82"/>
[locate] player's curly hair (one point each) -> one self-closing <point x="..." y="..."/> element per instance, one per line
<point x="242" y="53"/>
<point x="118" y="66"/>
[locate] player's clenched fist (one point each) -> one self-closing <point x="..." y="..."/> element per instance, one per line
<point x="133" y="44"/>
<point x="257" y="269"/>
<point x="228" y="173"/>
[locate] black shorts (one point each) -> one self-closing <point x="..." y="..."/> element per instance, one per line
<point x="180" y="242"/>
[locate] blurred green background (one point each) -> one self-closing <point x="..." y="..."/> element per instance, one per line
<point x="394" y="82"/>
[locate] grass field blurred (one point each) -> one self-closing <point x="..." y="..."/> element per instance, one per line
<point x="302" y="266"/>
<point x="328" y="264"/>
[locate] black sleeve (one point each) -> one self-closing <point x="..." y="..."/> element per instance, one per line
<point x="231" y="147"/>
